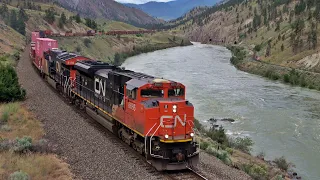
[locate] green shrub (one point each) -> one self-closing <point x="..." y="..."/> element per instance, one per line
<point x="279" y="177"/>
<point x="78" y="49"/>
<point x="5" y="116"/>
<point x="238" y="54"/>
<point x="261" y="155"/>
<point x="19" y="175"/>
<point x="282" y="163"/>
<point x="197" y="124"/>
<point x="204" y="145"/>
<point x="11" y="108"/>
<point x="87" y="42"/>
<point x="218" y="135"/>
<point x="311" y="86"/>
<point x="16" y="55"/>
<point x="23" y="145"/>
<point x="257" y="172"/>
<point x="229" y="150"/>
<point x="275" y="76"/>
<point x="244" y="144"/>
<point x="10" y="90"/>
<point x="286" y="78"/>
<point x="220" y="154"/>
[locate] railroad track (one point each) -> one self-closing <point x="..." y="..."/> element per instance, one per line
<point x="188" y="174"/>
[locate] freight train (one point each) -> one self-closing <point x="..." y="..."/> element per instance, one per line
<point x="49" y="33"/>
<point x="150" y="114"/>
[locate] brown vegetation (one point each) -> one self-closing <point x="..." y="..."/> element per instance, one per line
<point x="17" y="156"/>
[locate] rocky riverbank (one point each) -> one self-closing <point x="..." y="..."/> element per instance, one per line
<point x="296" y="77"/>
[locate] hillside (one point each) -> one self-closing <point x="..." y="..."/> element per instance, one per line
<point x="172" y="9"/>
<point x="285" y="31"/>
<point x="100" y="47"/>
<point x="108" y="9"/>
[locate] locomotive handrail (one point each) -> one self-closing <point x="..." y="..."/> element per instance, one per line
<point x="196" y="130"/>
<point x="150" y="143"/>
<point x="145" y="139"/>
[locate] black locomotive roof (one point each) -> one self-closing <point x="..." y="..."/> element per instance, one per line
<point x="134" y="75"/>
<point x="90" y="67"/>
<point x="66" y="56"/>
<point x="103" y="73"/>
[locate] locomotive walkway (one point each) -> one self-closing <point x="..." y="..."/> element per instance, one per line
<point x="91" y="152"/>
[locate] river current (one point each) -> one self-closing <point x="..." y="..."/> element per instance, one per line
<point x="281" y="119"/>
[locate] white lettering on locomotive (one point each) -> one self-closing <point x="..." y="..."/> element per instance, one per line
<point x="132" y="106"/>
<point x="101" y="89"/>
<point x="176" y="119"/>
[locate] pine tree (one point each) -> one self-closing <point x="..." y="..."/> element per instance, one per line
<point x="13" y="19"/>
<point x="21" y="27"/>
<point x="117" y="59"/>
<point x="78" y="19"/>
<point x="63" y="18"/>
<point x="50" y="15"/>
<point x="23" y="15"/>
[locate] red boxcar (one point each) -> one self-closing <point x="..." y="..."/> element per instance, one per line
<point x="34" y="36"/>
<point x="42" y="45"/>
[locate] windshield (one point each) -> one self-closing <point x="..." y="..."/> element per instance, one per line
<point x="176" y="92"/>
<point x="151" y="93"/>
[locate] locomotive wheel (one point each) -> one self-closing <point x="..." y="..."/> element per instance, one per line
<point x="82" y="105"/>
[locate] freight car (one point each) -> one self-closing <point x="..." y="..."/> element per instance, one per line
<point x="150" y="114"/>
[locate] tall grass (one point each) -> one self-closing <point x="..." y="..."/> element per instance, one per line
<point x="8" y="110"/>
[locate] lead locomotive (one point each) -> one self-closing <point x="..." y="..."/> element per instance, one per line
<point x="150" y="114"/>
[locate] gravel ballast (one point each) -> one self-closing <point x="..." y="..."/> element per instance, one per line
<point x="90" y="151"/>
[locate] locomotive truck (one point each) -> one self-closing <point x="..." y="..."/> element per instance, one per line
<point x="150" y="114"/>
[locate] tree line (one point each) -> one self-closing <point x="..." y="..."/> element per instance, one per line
<point x="13" y="18"/>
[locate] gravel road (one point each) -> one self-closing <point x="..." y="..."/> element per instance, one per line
<point x="90" y="151"/>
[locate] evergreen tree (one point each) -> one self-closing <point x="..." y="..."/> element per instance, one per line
<point x="13" y="19"/>
<point x="63" y="18"/>
<point x="317" y="11"/>
<point x="50" y="15"/>
<point x="21" y="27"/>
<point x="117" y="59"/>
<point x="4" y="11"/>
<point x="300" y="7"/>
<point x="78" y="18"/>
<point x="278" y="26"/>
<point x="23" y="15"/>
<point x="10" y="89"/>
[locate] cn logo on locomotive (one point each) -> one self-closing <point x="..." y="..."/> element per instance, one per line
<point x="100" y="86"/>
<point x="176" y="119"/>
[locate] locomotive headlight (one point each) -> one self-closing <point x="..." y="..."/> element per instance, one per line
<point x="166" y="136"/>
<point x="174" y="108"/>
<point x="191" y="134"/>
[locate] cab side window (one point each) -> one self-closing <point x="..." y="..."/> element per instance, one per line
<point x="132" y="94"/>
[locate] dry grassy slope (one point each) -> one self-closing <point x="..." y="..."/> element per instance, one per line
<point x="104" y="47"/>
<point x="10" y="40"/>
<point x="222" y="24"/>
<point x="20" y="123"/>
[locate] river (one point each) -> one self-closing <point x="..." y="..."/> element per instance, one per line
<point x="281" y="119"/>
